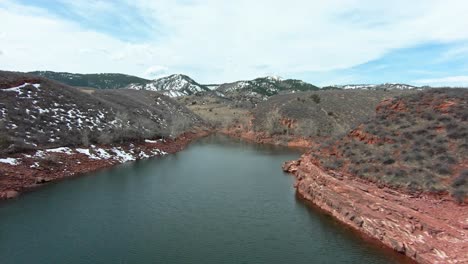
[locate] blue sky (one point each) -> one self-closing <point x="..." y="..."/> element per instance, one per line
<point x="322" y="42"/>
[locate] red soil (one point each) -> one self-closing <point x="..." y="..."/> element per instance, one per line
<point x="15" y="179"/>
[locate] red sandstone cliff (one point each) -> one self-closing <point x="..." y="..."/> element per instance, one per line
<point x="427" y="229"/>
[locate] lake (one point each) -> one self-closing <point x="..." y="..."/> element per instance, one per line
<point x="219" y="201"/>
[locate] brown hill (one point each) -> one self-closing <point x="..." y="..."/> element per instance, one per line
<point x="39" y="113"/>
<point x="417" y="142"/>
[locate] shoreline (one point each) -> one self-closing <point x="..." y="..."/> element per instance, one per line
<point x="263" y="138"/>
<point x="426" y="229"/>
<point x="38" y="168"/>
<point x="368" y="239"/>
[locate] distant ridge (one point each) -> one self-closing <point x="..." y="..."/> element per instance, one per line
<point x="266" y="86"/>
<point x="95" y="80"/>
<point x="384" y="86"/>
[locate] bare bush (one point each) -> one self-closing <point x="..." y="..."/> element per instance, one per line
<point x="179" y="125"/>
<point x="85" y="137"/>
<point x="306" y="128"/>
<point x="272" y="123"/>
<point x="105" y="138"/>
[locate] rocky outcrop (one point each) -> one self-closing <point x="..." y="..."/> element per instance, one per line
<point x="425" y="228"/>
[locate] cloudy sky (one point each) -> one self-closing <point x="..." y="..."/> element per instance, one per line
<point x="323" y="42"/>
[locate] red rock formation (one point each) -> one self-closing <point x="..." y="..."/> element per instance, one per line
<point x="361" y="135"/>
<point x="425" y="228"/>
<point x="445" y="106"/>
<point x="393" y="104"/>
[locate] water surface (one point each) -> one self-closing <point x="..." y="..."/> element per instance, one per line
<point x="218" y="201"/>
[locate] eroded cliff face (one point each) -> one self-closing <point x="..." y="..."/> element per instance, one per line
<point x="428" y="229"/>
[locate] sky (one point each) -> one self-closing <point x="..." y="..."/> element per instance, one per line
<point x="419" y="42"/>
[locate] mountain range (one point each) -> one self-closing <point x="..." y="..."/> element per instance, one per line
<point x="177" y="85"/>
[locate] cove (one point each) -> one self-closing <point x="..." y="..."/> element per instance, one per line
<point x="219" y="201"/>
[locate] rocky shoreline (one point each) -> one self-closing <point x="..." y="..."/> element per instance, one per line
<point x="28" y="171"/>
<point x="425" y="228"/>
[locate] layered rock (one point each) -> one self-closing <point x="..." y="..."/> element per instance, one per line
<point x="428" y="229"/>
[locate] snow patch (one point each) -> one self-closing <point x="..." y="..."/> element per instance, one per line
<point x="10" y="161"/>
<point x="153" y="141"/>
<point x="143" y="155"/>
<point x="87" y="153"/>
<point x="121" y="155"/>
<point x="17" y="89"/>
<point x="60" y="150"/>
<point x="103" y="154"/>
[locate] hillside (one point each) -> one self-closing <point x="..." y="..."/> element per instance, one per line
<point x="175" y="85"/>
<point x="98" y="80"/>
<point x="416" y="142"/>
<point x="265" y="87"/>
<point x="39" y="113"/>
<point x="384" y="86"/>
<point x="317" y="113"/>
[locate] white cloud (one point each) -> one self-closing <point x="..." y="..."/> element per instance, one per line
<point x="36" y="40"/>
<point x="459" y="51"/>
<point x="461" y="80"/>
<point x="216" y="41"/>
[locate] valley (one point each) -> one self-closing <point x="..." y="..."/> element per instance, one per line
<point x="388" y="160"/>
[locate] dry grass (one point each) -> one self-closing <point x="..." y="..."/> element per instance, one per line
<point x="217" y="112"/>
<point x="416" y="142"/>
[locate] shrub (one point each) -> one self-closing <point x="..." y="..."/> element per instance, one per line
<point x="442" y="169"/>
<point x="447" y="159"/>
<point x="400" y="173"/>
<point x="4" y="139"/>
<point x="315" y="98"/>
<point x="306" y="128"/>
<point x="428" y="115"/>
<point x="179" y="125"/>
<point x="272" y="123"/>
<point x="461" y="180"/>
<point x="333" y="164"/>
<point x="459" y="195"/>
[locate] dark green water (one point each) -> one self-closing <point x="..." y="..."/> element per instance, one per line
<point x="219" y="201"/>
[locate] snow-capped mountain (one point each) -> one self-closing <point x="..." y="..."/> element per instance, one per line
<point x="173" y="86"/>
<point x="266" y="86"/>
<point x="387" y="86"/>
